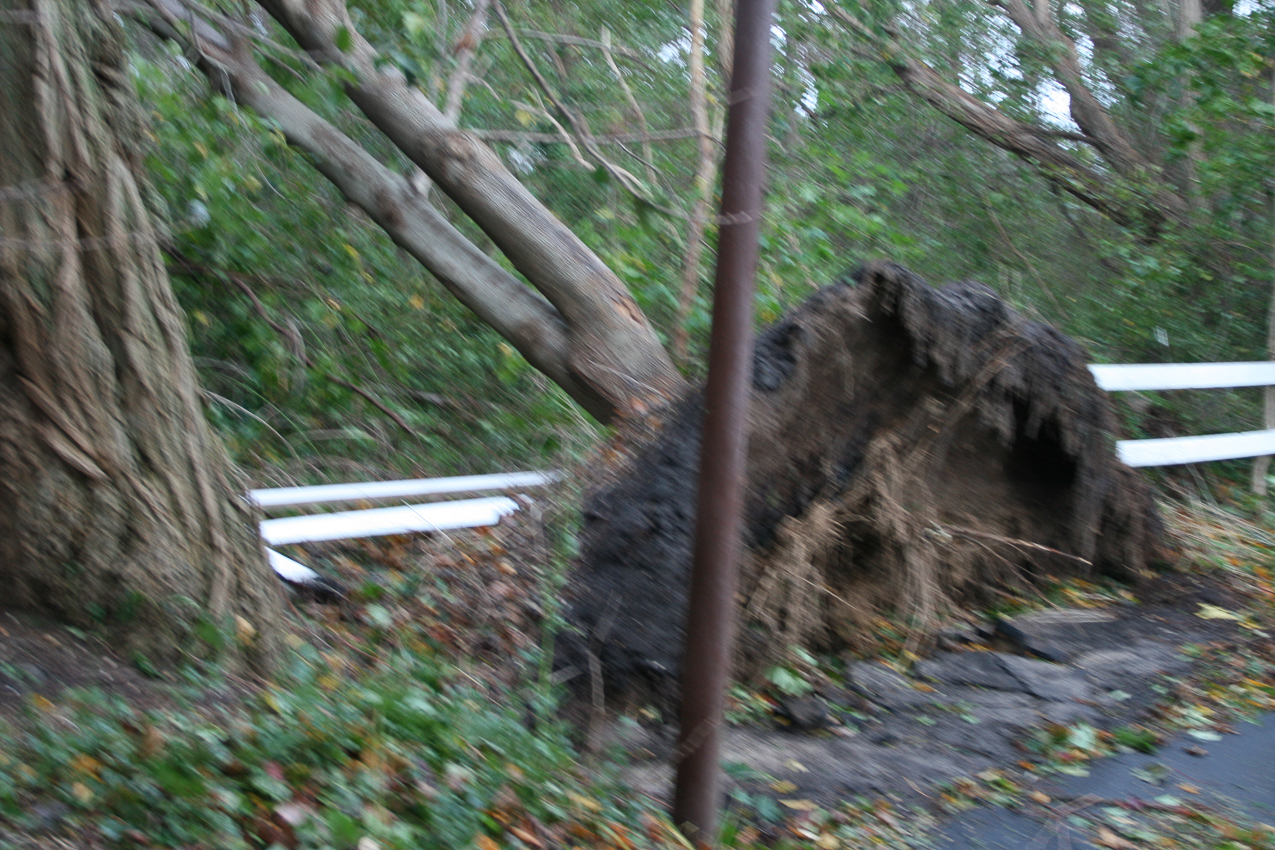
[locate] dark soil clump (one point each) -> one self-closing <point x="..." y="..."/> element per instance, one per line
<point x="910" y="448"/>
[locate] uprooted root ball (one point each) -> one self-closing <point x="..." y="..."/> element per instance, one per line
<point x="910" y="448"/>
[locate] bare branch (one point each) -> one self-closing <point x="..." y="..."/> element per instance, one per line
<point x="651" y="176"/>
<point x="578" y="125"/>
<point x="577" y="41"/>
<point x="466" y="47"/>
<point x="518" y="136"/>
<point x="1147" y="211"/>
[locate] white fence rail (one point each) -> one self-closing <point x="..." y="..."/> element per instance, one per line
<point x="371" y="491"/>
<point x="378" y="522"/>
<point x="1170" y="451"/>
<point x="469" y="513"/>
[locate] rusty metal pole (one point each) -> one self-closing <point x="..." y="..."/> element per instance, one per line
<point x="718" y="525"/>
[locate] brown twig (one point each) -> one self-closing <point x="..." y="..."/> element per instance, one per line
<point x="651" y="175"/>
<point x="959" y="531"/>
<point x="516" y="136"/>
<point x="578" y="126"/>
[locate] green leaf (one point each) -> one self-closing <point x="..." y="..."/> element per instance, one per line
<point x="345" y="829"/>
<point x="789" y="683"/>
<point x="1153" y="774"/>
<point x="414" y="24"/>
<point x="344" y="40"/>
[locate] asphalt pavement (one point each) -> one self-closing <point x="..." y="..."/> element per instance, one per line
<point x="1234" y="775"/>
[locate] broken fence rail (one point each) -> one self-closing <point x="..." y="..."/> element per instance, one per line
<point x="375" y="522"/>
<point x="370" y="491"/>
<point x="379" y="522"/>
<point x="1170" y="451"/>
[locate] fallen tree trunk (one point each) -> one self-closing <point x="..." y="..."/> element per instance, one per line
<point x="910" y="449"/>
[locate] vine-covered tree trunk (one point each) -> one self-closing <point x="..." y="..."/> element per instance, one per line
<point x="118" y="506"/>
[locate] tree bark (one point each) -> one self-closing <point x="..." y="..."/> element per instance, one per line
<point x="121" y="508"/>
<point x="705" y="178"/>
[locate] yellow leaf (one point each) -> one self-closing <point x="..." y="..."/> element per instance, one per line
<point x="586" y="802"/>
<point x="485" y="842"/>
<point x="783" y="786"/>
<point x="85" y="764"/>
<point x="800" y="805"/>
<point x="82" y="792"/>
<point x="525" y="837"/>
<point x="524" y="117"/>
<point x="1188" y="788"/>
<point x="42" y="703"/>
<point x="203" y="151"/>
<point x="1107" y="838"/>
<point x="244" y="630"/>
<point x="417" y="302"/>
<point x="795" y="766"/>
<point x="1212" y="612"/>
<point x="828" y="841"/>
<point x="1039" y="796"/>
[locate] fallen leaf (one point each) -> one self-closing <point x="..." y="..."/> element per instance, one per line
<point x="525" y="837"/>
<point x="1152" y="774"/>
<point x="152" y="742"/>
<point x="82" y="792"/>
<point x="1039" y="796"/>
<point x="86" y="764"/>
<point x="293" y="814"/>
<point x="484" y="842"/>
<point x="586" y="802"/>
<point x="1212" y="612"/>
<point x="800" y="805"/>
<point x="783" y="786"/>
<point x="795" y="766"/>
<point x="245" y="631"/>
<point x="1107" y="838"/>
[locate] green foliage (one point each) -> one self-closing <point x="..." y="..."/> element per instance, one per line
<point x="405" y="755"/>
<point x="294" y="303"/>
<point x="859" y="168"/>
<point x="1136" y="738"/>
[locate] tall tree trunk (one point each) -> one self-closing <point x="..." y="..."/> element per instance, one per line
<point x="705" y="177"/>
<point x="1262" y="465"/>
<point x="120" y="507"/>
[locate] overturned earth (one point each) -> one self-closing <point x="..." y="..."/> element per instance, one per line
<point x="912" y="451"/>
